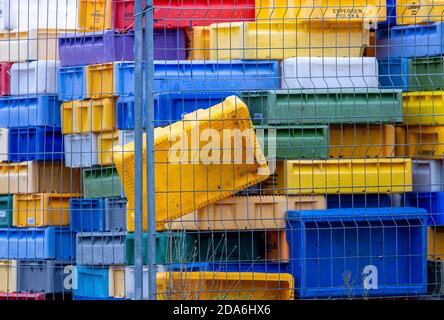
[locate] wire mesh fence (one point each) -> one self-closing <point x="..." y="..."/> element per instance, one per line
<point x="221" y="149"/>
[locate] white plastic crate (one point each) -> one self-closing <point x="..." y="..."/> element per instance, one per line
<point x="81" y="150"/>
<point x="427" y="175"/>
<point x="329" y="72"/>
<point x="4" y="144"/>
<point x="47" y="14"/>
<point x="36" y="77"/>
<point x="129" y="281"/>
<point x="125" y="136"/>
<point x="4" y="14"/>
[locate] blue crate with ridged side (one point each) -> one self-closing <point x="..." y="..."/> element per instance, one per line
<point x="201" y="76"/>
<point x="432" y="202"/>
<point x="71" y="83"/>
<point x="35" y="143"/>
<point x="52" y="243"/>
<point x="335" y="201"/>
<point x="394" y="73"/>
<point x="417" y="40"/>
<point x="358" y="252"/>
<point x="29" y="111"/>
<point x="92" y="282"/>
<point x="168" y="107"/>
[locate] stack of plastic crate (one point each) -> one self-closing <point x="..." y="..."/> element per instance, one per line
<point x="37" y="244"/>
<point x="409" y="50"/>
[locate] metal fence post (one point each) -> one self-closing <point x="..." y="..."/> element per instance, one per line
<point x="150" y="149"/>
<point x="138" y="139"/>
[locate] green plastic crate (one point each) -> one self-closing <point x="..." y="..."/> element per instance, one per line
<point x="325" y="106"/>
<point x="6" y="211"/>
<point x="426" y="74"/>
<point x="101" y="182"/>
<point x="294" y="142"/>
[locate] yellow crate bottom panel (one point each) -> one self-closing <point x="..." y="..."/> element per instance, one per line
<point x="246" y="212"/>
<point x="423" y="108"/>
<point x="354" y="141"/>
<point x="224" y="286"/>
<point x="189" y="180"/>
<point x="336" y="10"/>
<point x="8" y="276"/>
<point x="420" y="142"/>
<point x="38" y="210"/>
<point x="341" y="176"/>
<point x="261" y="40"/>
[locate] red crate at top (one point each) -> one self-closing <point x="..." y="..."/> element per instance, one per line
<point x="186" y="13"/>
<point x="4" y="78"/>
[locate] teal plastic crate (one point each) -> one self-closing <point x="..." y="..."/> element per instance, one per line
<point x="6" y="211"/>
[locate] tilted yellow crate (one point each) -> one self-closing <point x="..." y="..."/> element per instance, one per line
<point x="277" y="40"/>
<point x="43" y="209"/>
<point x="224" y="286"/>
<point x="341" y="176"/>
<point x="92" y="115"/>
<point x="334" y="10"/>
<point x="420" y="141"/>
<point x="188" y="174"/>
<point x="246" y="212"/>
<point x="361" y="141"/>
<point x="106" y="141"/>
<point x="419" y="11"/>
<point x="423" y="107"/>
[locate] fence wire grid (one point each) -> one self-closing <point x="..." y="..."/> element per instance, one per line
<point x="221" y="149"/>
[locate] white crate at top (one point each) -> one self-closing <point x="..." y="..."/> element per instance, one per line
<point x="427" y="175"/>
<point x="4" y="144"/>
<point x="81" y="150"/>
<point x="329" y="72"/>
<point x="43" y="14"/>
<point x="4" y="14"/>
<point x="36" y="77"/>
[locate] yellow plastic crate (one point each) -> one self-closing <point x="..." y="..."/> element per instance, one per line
<point x="37" y="177"/>
<point x="423" y="107"/>
<point x="261" y="40"/>
<point x="224" y="286"/>
<point x="93" y="115"/>
<point x="116" y="281"/>
<point x="435" y="245"/>
<point x="43" y="209"/>
<point x="362" y="141"/>
<point x="246" y="212"/>
<point x="185" y="183"/>
<point x="200" y="43"/>
<point x="341" y="176"/>
<point x="419" y="11"/>
<point x="420" y="141"/>
<point x="95" y="14"/>
<point x="100" y="80"/>
<point x="106" y="141"/>
<point x="333" y="10"/>
<point x="8" y="276"/>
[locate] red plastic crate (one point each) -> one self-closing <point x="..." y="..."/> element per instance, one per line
<point x="4" y="78"/>
<point x="186" y="13"/>
<point x="22" y="296"/>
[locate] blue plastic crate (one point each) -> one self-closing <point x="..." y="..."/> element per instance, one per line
<point x="92" y="282"/>
<point x="394" y="73"/>
<point x="358" y="201"/>
<point x="358" y="252"/>
<point x="391" y="15"/>
<point x="168" y="107"/>
<point x="87" y="214"/>
<point x="268" y="267"/>
<point x="95" y="298"/>
<point x="432" y="202"/>
<point x="52" y="243"/>
<point x="71" y="83"/>
<point x="29" y="111"/>
<point x="196" y="75"/>
<point x="35" y="143"/>
<point x="418" y="40"/>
